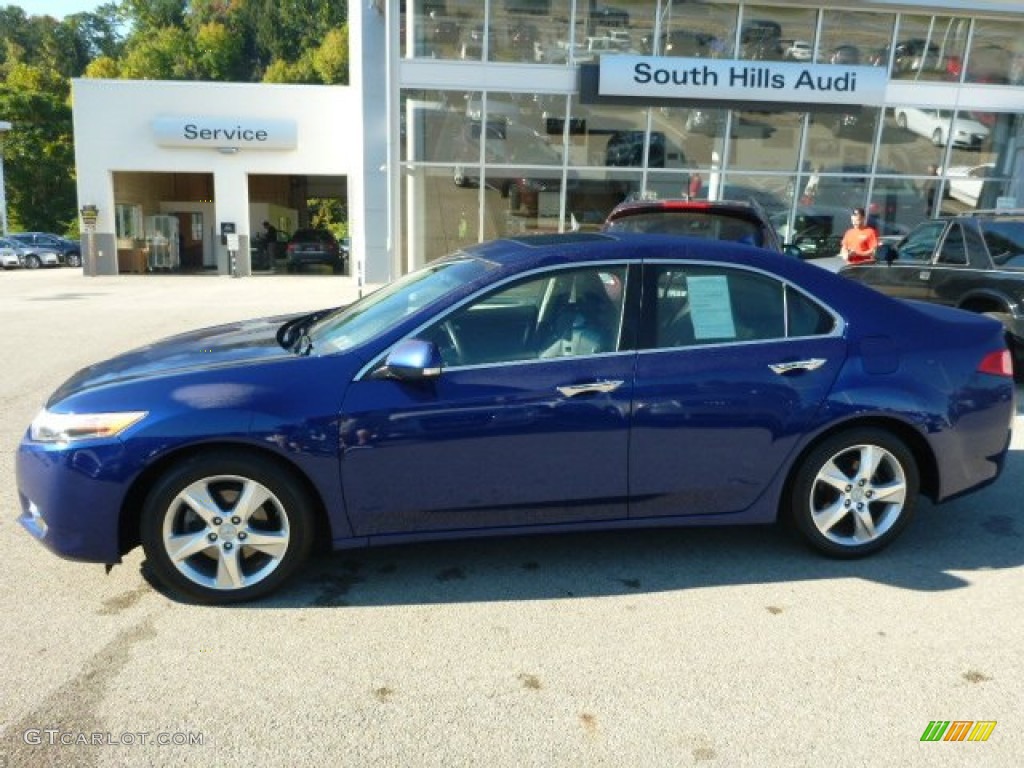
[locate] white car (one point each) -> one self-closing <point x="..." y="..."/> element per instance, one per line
<point x="941" y="127"/>
<point x="10" y="257"/>
<point x="965" y="181"/>
<point x="800" y="50"/>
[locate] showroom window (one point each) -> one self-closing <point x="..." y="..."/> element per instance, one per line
<point x="128" y="221"/>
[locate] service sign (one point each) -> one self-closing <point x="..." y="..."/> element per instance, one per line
<point x="735" y="80"/>
<point x="225" y="133"/>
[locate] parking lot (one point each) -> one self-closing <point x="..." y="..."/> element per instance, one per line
<point x="716" y="647"/>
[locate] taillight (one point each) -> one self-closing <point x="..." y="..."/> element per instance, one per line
<point x="997" y="363"/>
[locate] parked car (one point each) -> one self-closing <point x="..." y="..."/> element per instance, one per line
<point x="68" y="252"/>
<point x="741" y="222"/>
<point x="844" y="54"/>
<point x="36" y="256"/>
<point x="941" y="127"/>
<point x="973" y="261"/>
<point x="966" y="181"/>
<point x="567" y="383"/>
<point x="314" y="246"/>
<point x="12" y="254"/>
<point x="608" y="16"/>
<point x="799" y="50"/>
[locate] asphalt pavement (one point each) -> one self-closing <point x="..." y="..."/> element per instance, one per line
<point x="712" y="647"/>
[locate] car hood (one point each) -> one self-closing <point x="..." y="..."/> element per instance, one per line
<point x="246" y="341"/>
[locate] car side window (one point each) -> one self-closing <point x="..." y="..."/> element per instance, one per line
<point x="1005" y="242"/>
<point x="698" y="305"/>
<point x="954" y="248"/>
<point x="920" y="244"/>
<point x="558" y="314"/>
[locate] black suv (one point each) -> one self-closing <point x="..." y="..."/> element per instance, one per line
<point x="973" y="261"/>
<point x="315" y="246"/>
<point x="68" y="251"/>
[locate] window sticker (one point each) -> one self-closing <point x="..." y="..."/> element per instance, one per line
<point x="710" y="307"/>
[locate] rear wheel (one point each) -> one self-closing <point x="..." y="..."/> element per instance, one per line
<point x="33" y="262"/>
<point x="73" y="259"/>
<point x="222" y="528"/>
<point x="901" y="121"/>
<point x="937" y="138"/>
<point x="854" y="492"/>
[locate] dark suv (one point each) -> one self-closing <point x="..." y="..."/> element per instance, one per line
<point x="315" y="246"/>
<point x="713" y="219"/>
<point x="68" y="251"/>
<point x="974" y="261"/>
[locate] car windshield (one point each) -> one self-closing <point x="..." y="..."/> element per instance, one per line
<point x="384" y="308"/>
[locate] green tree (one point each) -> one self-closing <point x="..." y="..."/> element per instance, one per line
<point x="219" y="52"/>
<point x="330" y="60"/>
<point x="167" y="53"/>
<point x="38" y="159"/>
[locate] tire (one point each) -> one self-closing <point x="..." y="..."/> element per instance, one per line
<point x="73" y="259"/>
<point x="844" y="511"/>
<point x="459" y="177"/>
<point x="937" y="138"/>
<point x="233" y="557"/>
<point x="901" y="121"/>
<point x="33" y="262"/>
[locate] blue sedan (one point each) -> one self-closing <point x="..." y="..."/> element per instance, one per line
<point x="542" y="384"/>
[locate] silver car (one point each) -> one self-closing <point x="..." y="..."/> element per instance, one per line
<point x="30" y="256"/>
<point x="12" y="254"/>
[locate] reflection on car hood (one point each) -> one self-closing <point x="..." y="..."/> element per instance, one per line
<point x="231" y="344"/>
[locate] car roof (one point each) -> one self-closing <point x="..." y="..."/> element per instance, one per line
<point x="532" y="251"/>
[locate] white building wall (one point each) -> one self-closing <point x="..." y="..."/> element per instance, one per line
<point x="113" y="128"/>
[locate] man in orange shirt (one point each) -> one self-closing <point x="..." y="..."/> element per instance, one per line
<point x="860" y="240"/>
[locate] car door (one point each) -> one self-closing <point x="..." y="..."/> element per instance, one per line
<point x="908" y="275"/>
<point x="527" y="423"/>
<point x="732" y="368"/>
<point x="961" y="266"/>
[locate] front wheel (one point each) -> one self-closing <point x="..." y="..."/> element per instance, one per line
<point x="33" y="262"/>
<point x="937" y="138"/>
<point x="221" y="528"/>
<point x="854" y="492"/>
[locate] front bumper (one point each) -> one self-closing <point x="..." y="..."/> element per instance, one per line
<point x="71" y="498"/>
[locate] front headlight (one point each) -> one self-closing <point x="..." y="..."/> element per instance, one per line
<point x="49" y="427"/>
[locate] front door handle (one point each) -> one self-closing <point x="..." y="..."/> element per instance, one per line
<point x="812" y="364"/>
<point x="571" y="390"/>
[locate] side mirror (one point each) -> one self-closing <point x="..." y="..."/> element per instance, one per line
<point x="412" y="360"/>
<point x="886" y="253"/>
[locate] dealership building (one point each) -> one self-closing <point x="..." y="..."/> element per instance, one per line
<point x="466" y="121"/>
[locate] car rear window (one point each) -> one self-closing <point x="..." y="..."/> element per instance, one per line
<point x="1005" y="241"/>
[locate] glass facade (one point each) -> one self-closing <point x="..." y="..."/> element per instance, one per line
<point x="532" y="157"/>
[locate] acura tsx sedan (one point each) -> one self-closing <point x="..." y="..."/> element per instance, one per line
<point x="546" y="384"/>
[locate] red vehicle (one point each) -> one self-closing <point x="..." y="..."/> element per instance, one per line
<point x="734" y="220"/>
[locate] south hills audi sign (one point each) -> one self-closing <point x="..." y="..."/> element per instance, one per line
<point x="221" y="133"/>
<point x="734" y="80"/>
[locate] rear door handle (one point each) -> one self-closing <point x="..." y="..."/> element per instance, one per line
<point x="571" y="390"/>
<point x="812" y="364"/>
